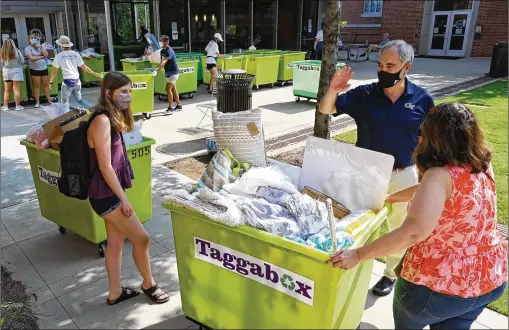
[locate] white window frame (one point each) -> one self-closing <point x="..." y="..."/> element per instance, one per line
<point x="371" y="14"/>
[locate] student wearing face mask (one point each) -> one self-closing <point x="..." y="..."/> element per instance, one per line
<point x="112" y="174"/>
<point x="388" y="114"/>
<point x="37" y="56"/>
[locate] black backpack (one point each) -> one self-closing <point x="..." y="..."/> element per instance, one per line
<point x="75" y="173"/>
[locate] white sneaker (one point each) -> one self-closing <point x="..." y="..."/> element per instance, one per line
<point x="5" y="108"/>
<point x="37" y="105"/>
<point x="19" y="107"/>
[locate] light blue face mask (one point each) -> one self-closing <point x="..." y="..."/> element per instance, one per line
<point x="34" y="41"/>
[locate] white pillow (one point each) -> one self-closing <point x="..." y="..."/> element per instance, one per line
<point x="242" y="134"/>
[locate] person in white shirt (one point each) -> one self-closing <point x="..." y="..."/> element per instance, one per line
<point x="319" y="43"/>
<point x="212" y="51"/>
<point x="69" y="62"/>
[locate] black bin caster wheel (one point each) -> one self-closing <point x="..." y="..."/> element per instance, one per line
<point x="297" y="99"/>
<point x="100" y="249"/>
<point x="191" y="95"/>
<point x="62" y="230"/>
<point x="161" y="98"/>
<point x="147" y="115"/>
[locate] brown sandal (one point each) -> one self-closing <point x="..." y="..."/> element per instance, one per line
<point x="155" y="293"/>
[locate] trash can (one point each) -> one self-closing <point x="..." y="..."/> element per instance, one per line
<point x="128" y="65"/>
<point x="265" y="69"/>
<point x="77" y="215"/>
<point x="187" y="84"/>
<point x="193" y="57"/>
<point x="53" y="92"/>
<point x="306" y="76"/>
<point x="245" y="278"/>
<point x="285" y="72"/>
<point x="498" y="67"/>
<point x="234" y="91"/>
<point x="142" y="91"/>
<point x="23" y="89"/>
<point x="223" y="64"/>
<point x="96" y="64"/>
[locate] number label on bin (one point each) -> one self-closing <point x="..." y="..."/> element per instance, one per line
<point x="48" y="177"/>
<point x="186" y="70"/>
<point x="285" y="281"/>
<point x="307" y="67"/>
<point x="141" y="152"/>
<point x="138" y="85"/>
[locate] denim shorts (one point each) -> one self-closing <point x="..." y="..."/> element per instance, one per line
<point x="105" y="206"/>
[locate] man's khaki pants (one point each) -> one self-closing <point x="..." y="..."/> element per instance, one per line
<point x="400" y="179"/>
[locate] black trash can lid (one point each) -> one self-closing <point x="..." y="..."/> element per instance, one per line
<point x="502" y="44"/>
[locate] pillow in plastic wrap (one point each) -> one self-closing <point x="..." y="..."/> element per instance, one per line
<point x="37" y="136"/>
<point x="242" y="134"/>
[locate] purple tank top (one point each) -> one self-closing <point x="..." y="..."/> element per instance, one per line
<point x="98" y="188"/>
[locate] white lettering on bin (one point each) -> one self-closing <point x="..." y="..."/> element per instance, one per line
<point x="48" y="177"/>
<point x="283" y="280"/>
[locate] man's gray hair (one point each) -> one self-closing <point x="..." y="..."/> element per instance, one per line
<point x="406" y="51"/>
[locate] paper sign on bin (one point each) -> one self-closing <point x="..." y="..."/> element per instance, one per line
<point x="280" y="279"/>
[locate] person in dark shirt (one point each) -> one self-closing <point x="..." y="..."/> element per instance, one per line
<point x="171" y="72"/>
<point x="388" y="114"/>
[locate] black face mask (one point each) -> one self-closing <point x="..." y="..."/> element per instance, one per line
<point x="388" y="80"/>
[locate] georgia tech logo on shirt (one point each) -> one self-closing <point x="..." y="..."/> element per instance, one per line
<point x="409" y="106"/>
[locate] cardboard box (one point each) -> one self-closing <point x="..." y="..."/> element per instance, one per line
<point x="340" y="211"/>
<point x="55" y="132"/>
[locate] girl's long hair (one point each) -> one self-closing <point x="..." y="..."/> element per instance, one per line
<point x="121" y="120"/>
<point x="9" y="50"/>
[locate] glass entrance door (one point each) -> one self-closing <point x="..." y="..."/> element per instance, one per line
<point x="18" y="26"/>
<point x="9" y="28"/>
<point x="205" y="20"/>
<point x="449" y="33"/>
<point x="173" y="23"/>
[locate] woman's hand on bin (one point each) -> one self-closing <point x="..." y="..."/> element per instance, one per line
<point x="127" y="209"/>
<point x="345" y="259"/>
<point x="340" y="80"/>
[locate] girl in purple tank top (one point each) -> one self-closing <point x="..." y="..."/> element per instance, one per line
<point x="112" y="175"/>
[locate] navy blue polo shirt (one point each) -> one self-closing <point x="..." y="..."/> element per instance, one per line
<point x="170" y="67"/>
<point x="383" y="126"/>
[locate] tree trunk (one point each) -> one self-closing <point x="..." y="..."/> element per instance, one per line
<point x="330" y="48"/>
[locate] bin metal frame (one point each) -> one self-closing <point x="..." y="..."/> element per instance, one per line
<point x="306" y="78"/>
<point x="77" y="215"/>
<point x="219" y="297"/>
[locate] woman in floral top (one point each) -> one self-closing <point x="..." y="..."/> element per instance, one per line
<point x="456" y="262"/>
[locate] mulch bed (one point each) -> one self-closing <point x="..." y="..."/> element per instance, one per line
<point x="16" y="310"/>
<point x="194" y="167"/>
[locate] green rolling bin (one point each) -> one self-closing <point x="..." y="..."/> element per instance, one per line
<point x="96" y="64"/>
<point x="285" y="72"/>
<point x="77" y="215"/>
<point x="193" y="57"/>
<point x="23" y="89"/>
<point x="233" y="62"/>
<point x="306" y="76"/>
<point x="142" y="91"/>
<point x="187" y="84"/>
<point x="134" y="66"/>
<point x="245" y="278"/>
<point x="265" y="69"/>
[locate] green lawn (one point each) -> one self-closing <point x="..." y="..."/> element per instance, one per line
<point x="490" y="104"/>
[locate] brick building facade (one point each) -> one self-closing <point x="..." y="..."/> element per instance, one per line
<point x="430" y="26"/>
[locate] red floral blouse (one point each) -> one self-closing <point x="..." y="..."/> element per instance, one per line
<point x="465" y="255"/>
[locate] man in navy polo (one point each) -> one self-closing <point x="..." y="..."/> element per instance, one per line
<point x="388" y="114"/>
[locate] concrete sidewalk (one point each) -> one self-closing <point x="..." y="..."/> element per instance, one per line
<point x="69" y="279"/>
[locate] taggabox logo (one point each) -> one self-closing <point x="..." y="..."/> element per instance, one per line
<point x="283" y="280"/>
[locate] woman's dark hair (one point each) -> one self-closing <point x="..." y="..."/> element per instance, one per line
<point x="121" y="120"/>
<point x="451" y="136"/>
